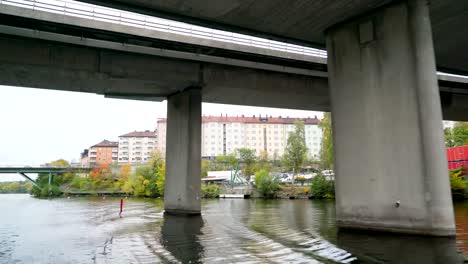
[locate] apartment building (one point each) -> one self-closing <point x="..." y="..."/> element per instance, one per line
<point x="104" y="152"/>
<point x="136" y="147"/>
<point x="224" y="134"/>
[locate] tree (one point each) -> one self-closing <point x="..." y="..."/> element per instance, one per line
<point x="448" y="135"/>
<point x="456" y="136"/>
<point x="266" y="184"/>
<point x="147" y="180"/>
<point x="263" y="161"/>
<point x="247" y="157"/>
<point x="326" y="151"/>
<point x="125" y="170"/>
<point x="59" y="163"/>
<point x="205" y="166"/>
<point x="224" y="162"/>
<point x="321" y="187"/>
<point x="460" y="133"/>
<point x="296" y="149"/>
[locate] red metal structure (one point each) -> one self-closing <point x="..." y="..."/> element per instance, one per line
<point x="457" y="156"/>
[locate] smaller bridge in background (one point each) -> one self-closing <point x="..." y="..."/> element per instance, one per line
<point x="50" y="170"/>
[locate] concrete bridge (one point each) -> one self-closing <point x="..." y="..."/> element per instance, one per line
<point x="380" y="84"/>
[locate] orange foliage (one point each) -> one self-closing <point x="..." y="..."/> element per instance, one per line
<point x="99" y="171"/>
<point x="125" y="170"/>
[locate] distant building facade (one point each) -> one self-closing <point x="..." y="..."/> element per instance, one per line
<point x="222" y="135"/>
<point x="104" y="152"/>
<point x="136" y="147"/>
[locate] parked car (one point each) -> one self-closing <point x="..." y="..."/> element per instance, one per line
<point x="329" y="174"/>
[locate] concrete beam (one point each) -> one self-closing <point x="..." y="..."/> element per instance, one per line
<point x="386" y="106"/>
<point x="183" y="153"/>
<point x="36" y="63"/>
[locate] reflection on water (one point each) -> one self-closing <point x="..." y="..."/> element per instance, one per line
<point x="387" y="248"/>
<point x="180" y="236"/>
<point x="461" y="218"/>
<point x="89" y="230"/>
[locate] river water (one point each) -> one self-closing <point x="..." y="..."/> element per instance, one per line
<point x="89" y="230"/>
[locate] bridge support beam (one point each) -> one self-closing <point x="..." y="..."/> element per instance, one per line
<point x="183" y="153"/>
<point x="29" y="179"/>
<point x="391" y="169"/>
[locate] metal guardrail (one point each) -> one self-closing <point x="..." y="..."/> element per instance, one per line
<point x="93" y="12"/>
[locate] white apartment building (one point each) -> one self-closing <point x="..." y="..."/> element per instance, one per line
<point x="136" y="147"/>
<point x="222" y="135"/>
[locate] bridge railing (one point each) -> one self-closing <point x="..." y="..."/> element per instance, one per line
<point x="98" y="13"/>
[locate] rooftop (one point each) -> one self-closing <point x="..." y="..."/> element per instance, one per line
<point x="145" y="133"/>
<point x="255" y="119"/>
<point x="106" y="143"/>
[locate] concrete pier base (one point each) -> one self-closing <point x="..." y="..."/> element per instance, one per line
<point x="183" y="153"/>
<point x="391" y="169"/>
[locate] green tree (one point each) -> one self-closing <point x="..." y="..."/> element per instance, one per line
<point x="263" y="162"/>
<point x="448" y="135"/>
<point x="205" y="167"/>
<point x="296" y="149"/>
<point x="457" y="184"/>
<point x="460" y="133"/>
<point x="53" y="189"/>
<point x="247" y="158"/>
<point x="210" y="191"/>
<point x="321" y="187"/>
<point x="147" y="180"/>
<point x="266" y="184"/>
<point x="326" y="150"/>
<point x="456" y="136"/>
<point x="224" y="162"/>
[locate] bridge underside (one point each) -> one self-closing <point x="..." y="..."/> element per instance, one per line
<point x="304" y="22"/>
<point x="37" y="63"/>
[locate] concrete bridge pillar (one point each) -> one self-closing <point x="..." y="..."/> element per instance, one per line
<point x="183" y="153"/>
<point x="391" y="169"/>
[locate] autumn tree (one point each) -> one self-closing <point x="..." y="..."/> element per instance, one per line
<point x="125" y="170"/>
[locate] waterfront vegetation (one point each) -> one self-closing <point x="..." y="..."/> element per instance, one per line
<point x="210" y="191"/>
<point x="322" y="188"/>
<point x="267" y="185"/>
<point x="15" y="187"/>
<point x="145" y="181"/>
<point x="458" y="184"/>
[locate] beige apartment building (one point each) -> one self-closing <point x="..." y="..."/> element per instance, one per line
<point x="224" y="134"/>
<point x="136" y="147"/>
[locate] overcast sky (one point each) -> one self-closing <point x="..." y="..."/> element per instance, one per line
<point x="40" y="125"/>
